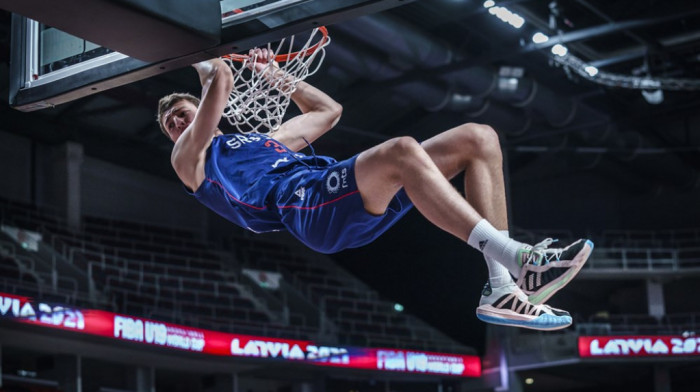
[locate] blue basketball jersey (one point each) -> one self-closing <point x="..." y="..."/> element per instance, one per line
<point x="240" y="171"/>
<point x="259" y="184"/>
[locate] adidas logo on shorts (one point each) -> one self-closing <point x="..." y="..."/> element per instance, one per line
<point x="300" y="192"/>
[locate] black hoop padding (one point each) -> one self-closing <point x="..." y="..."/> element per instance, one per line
<point x="147" y="30"/>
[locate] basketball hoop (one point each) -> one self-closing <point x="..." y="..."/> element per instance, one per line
<point x="257" y="104"/>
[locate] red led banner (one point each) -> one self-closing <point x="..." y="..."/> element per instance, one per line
<point x="637" y="346"/>
<point x="160" y="334"/>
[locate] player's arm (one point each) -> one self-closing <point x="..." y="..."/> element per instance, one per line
<point x="320" y="112"/>
<point x="190" y="149"/>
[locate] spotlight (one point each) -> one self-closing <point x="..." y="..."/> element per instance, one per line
<point x="507" y="16"/>
<point x="509" y="78"/>
<point x="651" y="91"/>
<point x="489" y="3"/>
<point x="591" y="70"/>
<point x="560" y="50"/>
<point x="653" y="97"/>
<point x="540" y="38"/>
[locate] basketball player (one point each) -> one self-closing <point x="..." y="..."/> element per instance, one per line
<point x="264" y="184"/>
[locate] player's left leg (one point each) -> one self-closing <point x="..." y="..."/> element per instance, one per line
<point x="475" y="150"/>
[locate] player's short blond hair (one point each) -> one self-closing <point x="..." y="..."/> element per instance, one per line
<point x="168" y="102"/>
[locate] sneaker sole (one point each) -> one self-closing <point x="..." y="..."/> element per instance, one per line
<point x="543" y="322"/>
<point x="547" y="291"/>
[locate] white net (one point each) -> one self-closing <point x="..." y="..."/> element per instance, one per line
<point x="258" y="100"/>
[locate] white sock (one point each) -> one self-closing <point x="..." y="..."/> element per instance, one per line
<point x="499" y="275"/>
<point x="494" y="244"/>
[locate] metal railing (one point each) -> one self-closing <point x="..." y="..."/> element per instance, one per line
<point x="639" y="324"/>
<point x="642" y="261"/>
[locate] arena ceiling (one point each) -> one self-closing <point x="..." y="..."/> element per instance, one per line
<point x="426" y="66"/>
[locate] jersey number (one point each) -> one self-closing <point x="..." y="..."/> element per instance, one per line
<point x="277" y="146"/>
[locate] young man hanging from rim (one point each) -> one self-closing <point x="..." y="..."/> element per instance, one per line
<point x="263" y="183"/>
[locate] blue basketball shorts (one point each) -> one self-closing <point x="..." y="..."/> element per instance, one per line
<point x="323" y="208"/>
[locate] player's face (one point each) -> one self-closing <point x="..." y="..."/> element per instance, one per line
<point x="178" y="118"/>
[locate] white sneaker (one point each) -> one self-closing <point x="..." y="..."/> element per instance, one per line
<point x="508" y="305"/>
<point x="547" y="270"/>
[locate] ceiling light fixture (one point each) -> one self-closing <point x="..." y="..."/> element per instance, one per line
<point x="507" y="16"/>
<point x="540" y="38"/>
<point x="591" y="70"/>
<point x="651" y="86"/>
<point x="560" y="50"/>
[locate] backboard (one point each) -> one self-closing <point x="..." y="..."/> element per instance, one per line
<point x="50" y="67"/>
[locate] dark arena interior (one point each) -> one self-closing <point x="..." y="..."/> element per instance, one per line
<point x="113" y="279"/>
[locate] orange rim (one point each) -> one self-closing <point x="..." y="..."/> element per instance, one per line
<point x="290" y="56"/>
